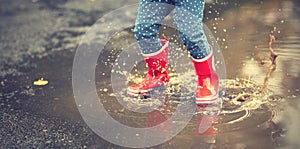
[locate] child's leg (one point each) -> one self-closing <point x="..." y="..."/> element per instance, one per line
<point x="150" y="15"/>
<point x="189" y="16"/>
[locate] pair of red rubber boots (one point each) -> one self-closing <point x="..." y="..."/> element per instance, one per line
<point x="157" y="63"/>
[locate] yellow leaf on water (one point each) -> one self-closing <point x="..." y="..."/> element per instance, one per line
<point x="40" y="82"/>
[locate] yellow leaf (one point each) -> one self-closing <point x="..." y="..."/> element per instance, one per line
<point x="40" y="82"/>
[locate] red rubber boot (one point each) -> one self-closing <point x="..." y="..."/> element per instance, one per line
<point x="157" y="75"/>
<point x="208" y="80"/>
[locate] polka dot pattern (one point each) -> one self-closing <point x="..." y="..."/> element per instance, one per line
<point x="188" y="17"/>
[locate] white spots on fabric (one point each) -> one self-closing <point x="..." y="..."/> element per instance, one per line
<point x="188" y="17"/>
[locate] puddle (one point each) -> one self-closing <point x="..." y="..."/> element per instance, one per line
<point x="256" y="98"/>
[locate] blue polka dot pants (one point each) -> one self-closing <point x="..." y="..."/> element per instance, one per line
<point x="188" y="17"/>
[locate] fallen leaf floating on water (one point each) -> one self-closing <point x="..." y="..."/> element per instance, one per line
<point x="40" y="82"/>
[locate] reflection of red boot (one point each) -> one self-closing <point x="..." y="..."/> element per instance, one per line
<point x="206" y="125"/>
<point x="157" y="71"/>
<point x="206" y="133"/>
<point x="208" y="80"/>
<point x="159" y="119"/>
<point x="155" y="118"/>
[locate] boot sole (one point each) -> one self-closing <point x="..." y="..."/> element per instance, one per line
<point x="207" y="100"/>
<point x="136" y="94"/>
<point x="138" y="91"/>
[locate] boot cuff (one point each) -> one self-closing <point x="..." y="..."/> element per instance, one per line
<point x="205" y="58"/>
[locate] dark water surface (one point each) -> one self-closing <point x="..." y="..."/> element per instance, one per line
<point x="39" y="39"/>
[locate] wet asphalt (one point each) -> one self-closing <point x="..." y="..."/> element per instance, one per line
<point x="39" y="39"/>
